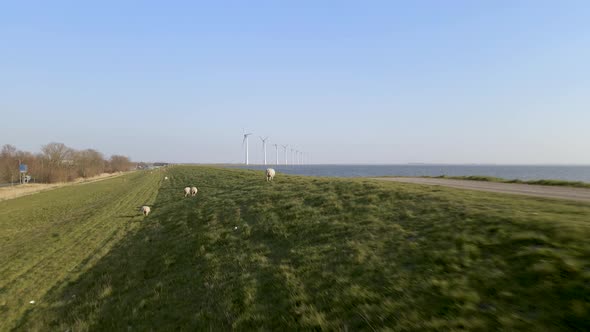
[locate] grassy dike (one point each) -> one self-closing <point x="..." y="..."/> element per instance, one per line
<point x="307" y="253"/>
<point x="51" y="238"/>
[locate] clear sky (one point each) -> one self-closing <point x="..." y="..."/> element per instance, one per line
<point x="346" y="81"/>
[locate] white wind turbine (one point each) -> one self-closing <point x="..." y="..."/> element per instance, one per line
<point x="297" y="157"/>
<point x="277" y="151"/>
<point x="264" y="146"/>
<point x="285" y="149"/>
<point x="245" y="140"/>
<point x="292" y="156"/>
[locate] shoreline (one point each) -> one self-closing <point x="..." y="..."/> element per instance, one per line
<point x="561" y="176"/>
<point x="492" y="179"/>
<point x="533" y="190"/>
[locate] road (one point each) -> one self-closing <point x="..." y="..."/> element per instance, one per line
<point x="576" y="194"/>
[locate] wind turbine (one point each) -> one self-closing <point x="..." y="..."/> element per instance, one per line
<point x="297" y="157"/>
<point x="245" y="140"/>
<point x="277" y="150"/>
<point x="285" y="148"/>
<point x="264" y="146"/>
<point x="292" y="156"/>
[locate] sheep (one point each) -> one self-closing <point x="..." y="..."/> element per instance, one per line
<point x="145" y="210"/>
<point x="165" y="178"/>
<point x="193" y="191"/>
<point x="187" y="191"/>
<point x="270" y="174"/>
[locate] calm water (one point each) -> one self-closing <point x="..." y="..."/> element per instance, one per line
<point x="570" y="173"/>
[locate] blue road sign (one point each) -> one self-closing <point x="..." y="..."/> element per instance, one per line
<point x="23" y="168"/>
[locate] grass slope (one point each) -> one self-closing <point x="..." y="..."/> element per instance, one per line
<point x="335" y="254"/>
<point x="50" y="238"/>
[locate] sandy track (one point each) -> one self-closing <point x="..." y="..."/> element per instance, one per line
<point x="576" y="194"/>
<point x="9" y="192"/>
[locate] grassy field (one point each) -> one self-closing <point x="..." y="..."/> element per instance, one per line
<point x="49" y="239"/>
<point x="298" y="253"/>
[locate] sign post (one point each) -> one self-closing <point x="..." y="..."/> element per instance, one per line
<point x="23" y="168"/>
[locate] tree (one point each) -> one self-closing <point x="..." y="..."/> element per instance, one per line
<point x="89" y="163"/>
<point x="119" y="163"/>
<point x="57" y="162"/>
<point x="57" y="153"/>
<point x="9" y="164"/>
<point x="59" y="159"/>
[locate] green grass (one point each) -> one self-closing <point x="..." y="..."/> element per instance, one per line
<point x="50" y="238"/>
<point x="577" y="184"/>
<point x="308" y="253"/>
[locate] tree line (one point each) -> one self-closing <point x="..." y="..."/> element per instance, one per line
<point x="58" y="163"/>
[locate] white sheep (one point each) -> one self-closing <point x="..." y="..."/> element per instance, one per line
<point x="193" y="191"/>
<point x="165" y="178"/>
<point x="270" y="174"/>
<point x="145" y="210"/>
<point x="187" y="191"/>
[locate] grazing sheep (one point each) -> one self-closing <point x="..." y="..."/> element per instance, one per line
<point x="187" y="191"/>
<point x="270" y="174"/>
<point x="165" y="178"/>
<point x="193" y="191"/>
<point x="145" y="210"/>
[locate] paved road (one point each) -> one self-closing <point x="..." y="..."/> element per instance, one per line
<point x="576" y="194"/>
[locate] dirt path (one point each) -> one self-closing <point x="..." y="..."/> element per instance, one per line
<point x="576" y="194"/>
<point x="10" y="192"/>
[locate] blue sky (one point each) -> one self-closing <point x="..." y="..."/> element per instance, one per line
<point x="346" y="81"/>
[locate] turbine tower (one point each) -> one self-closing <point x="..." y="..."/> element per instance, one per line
<point x="297" y="157"/>
<point x="285" y="148"/>
<point x="245" y="140"/>
<point x="292" y="156"/>
<point x="277" y="150"/>
<point x="264" y="139"/>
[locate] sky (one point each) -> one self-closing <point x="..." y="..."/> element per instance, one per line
<point x="502" y="82"/>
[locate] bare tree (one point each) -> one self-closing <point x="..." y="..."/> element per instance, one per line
<point x="59" y="159"/>
<point x="89" y="163"/>
<point x="57" y="162"/>
<point x="57" y="153"/>
<point x="8" y="163"/>
<point x="119" y="163"/>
